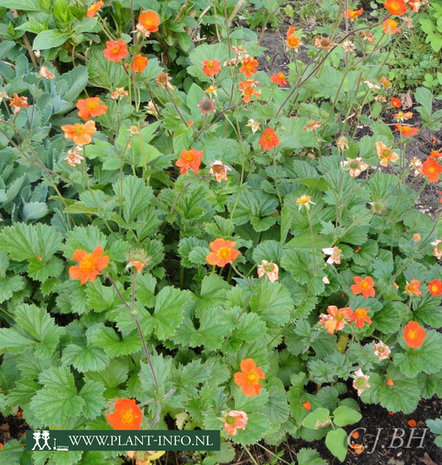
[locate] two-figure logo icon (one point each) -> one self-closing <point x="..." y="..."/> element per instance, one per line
<point x="41" y="435"/>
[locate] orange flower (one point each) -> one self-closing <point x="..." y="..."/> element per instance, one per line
<point x="17" y="103"/>
<point x="248" y="378"/>
<point x="94" y="9"/>
<point x="148" y="22"/>
<point x="307" y="405"/>
<point x="368" y="36"/>
<point x="248" y="89"/>
<point x="412" y="423"/>
<point x="81" y="134"/>
<point x="211" y="67"/>
<point x="363" y="286"/>
<point x="435" y="287"/>
<point x="361" y="317"/>
<point x="222" y="252"/>
<point x="139" y="63"/>
<point x="414" y="334"/>
<point x="235" y="420"/>
<point x="390" y="382"/>
<point x="396" y="102"/>
<point x="406" y="131"/>
<point x="190" y="160"/>
<point x="248" y="67"/>
<point x="385" y="154"/>
<point x="90" y="107"/>
<point x="279" y="78"/>
<point x="115" y="50"/>
<point x="127" y="415"/>
<point x="385" y="82"/>
<point x="395" y="7"/>
<point x="415" y="5"/>
<point x="269" y="139"/>
<point x="435" y="154"/>
<point x="412" y="288"/>
<point x="89" y="264"/>
<point x="350" y="14"/>
<point x="431" y="169"/>
<point x="390" y="27"/>
<point x="335" y="319"/>
<point x="293" y="40"/>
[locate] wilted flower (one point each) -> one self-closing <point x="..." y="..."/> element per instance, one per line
<point x="45" y="73"/>
<point x="378" y="207"/>
<point x="211" y="90"/>
<point x="401" y="116"/>
<point x="416" y="164"/>
<point x="134" y="130"/>
<point x="254" y="125"/>
<point x="381" y="350"/>
<point x="437" y="251"/>
<point x="385" y="82"/>
<point x="355" y="166"/>
<point x="390" y="26"/>
<point x="360" y="382"/>
<point x="323" y="43"/>
<point x="73" y="157"/>
<point x="119" y="93"/>
<point x="151" y="108"/>
<point x="268" y="269"/>
<point x="342" y="143"/>
<point x="234" y="420"/>
<point x="138" y="259"/>
<point x="416" y="237"/>
<point x="368" y="36"/>
<point x="304" y="201"/>
<point x="206" y="106"/>
<point x="219" y="170"/>
<point x="163" y="80"/>
<point x="335" y="255"/>
<point x="348" y="46"/>
<point x="385" y="154"/>
<point x="17" y="103"/>
<point x="325" y="280"/>
<point x="312" y="125"/>
<point x="372" y="85"/>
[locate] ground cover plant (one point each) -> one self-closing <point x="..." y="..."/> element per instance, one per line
<point x="189" y="241"/>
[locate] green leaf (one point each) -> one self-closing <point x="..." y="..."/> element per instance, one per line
<point x="49" y="39"/>
<point x="23" y="241"/>
<point x="107" y="338"/>
<point x="272" y="301"/>
<point x="276" y="409"/>
<point x="25" y="5"/>
<point x="170" y="306"/>
<point x="318" y="418"/>
<point x="84" y="359"/>
<point x="92" y="394"/>
<point x="58" y="400"/>
<point x="136" y="196"/>
<point x="11" y="285"/>
<point x="34" y="328"/>
<point x="307" y="456"/>
<point x="336" y="442"/>
<point x="344" y="416"/>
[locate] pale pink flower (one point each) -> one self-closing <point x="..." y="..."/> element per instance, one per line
<point x="381" y="350"/>
<point x="355" y="166"/>
<point x="73" y="157"/>
<point x="437" y="251"/>
<point x="268" y="269"/>
<point x="234" y="420"/>
<point x="45" y="73"/>
<point x="335" y="255"/>
<point x="219" y="170"/>
<point x="360" y="382"/>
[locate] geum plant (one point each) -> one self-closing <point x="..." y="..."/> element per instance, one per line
<point x="231" y="257"/>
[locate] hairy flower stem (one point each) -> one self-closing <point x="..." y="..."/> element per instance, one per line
<point x="143" y="340"/>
